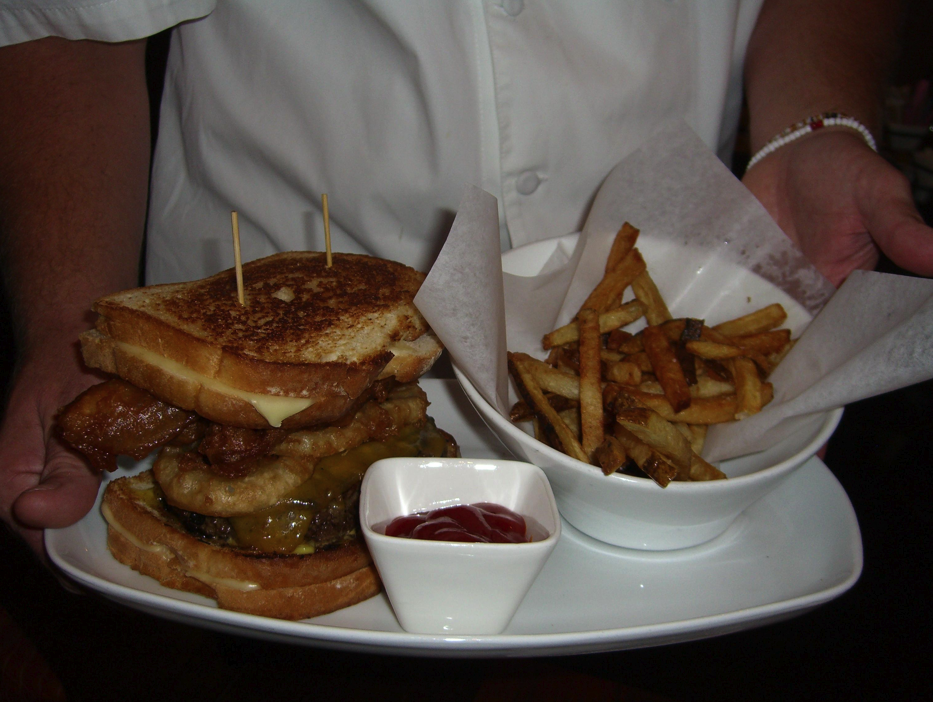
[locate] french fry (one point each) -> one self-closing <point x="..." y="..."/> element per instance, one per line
<point x="547" y="435"/>
<point x="591" y="391"/>
<point x="764" y="343"/>
<point x="562" y="335"/>
<point x="696" y="435"/>
<point x="571" y="417"/>
<point x="629" y="345"/>
<point x="716" y="371"/>
<point x="693" y="330"/>
<point x="608" y="321"/>
<point x="759" y="321"/>
<point x="666" y="367"/>
<point x="651" y="386"/>
<point x="688" y="435"/>
<point x="701" y="470"/>
<point x="523" y="412"/>
<point x="659" y="434"/>
<point x="608" y="356"/>
<point x="747" y="387"/>
<point x="699" y="436"/>
<point x="618" y="397"/>
<point x="624" y="372"/>
<point x="767" y="393"/>
<point x="553" y="380"/>
<point x="711" y="335"/>
<point x="674" y="329"/>
<point x="712" y="350"/>
<point x="681" y="443"/>
<point x="564" y="358"/>
<point x="646" y="291"/>
<point x="649" y="460"/>
<point x="621" y="316"/>
<point x="706" y="410"/>
<point x="610" y="396"/>
<point x="687" y="361"/>
<point x="705" y="387"/>
<point x="553" y="356"/>
<point x="614" y="283"/>
<point x="623" y="243"/>
<point x="610" y="455"/>
<point x="641" y="360"/>
<point x="617" y="338"/>
<point x="538" y="430"/>
<point x="531" y="392"/>
<point x="775" y="358"/>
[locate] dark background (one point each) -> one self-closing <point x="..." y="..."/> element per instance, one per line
<point x="870" y="643"/>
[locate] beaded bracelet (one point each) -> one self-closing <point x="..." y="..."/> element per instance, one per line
<point x="811" y="124"/>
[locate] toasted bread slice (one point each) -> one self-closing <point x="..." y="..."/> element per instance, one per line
<point x="145" y="537"/>
<point x="320" y="334"/>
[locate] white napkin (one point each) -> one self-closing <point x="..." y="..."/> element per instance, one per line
<point x="711" y="242"/>
<point x="462" y="297"/>
<point x="875" y="335"/>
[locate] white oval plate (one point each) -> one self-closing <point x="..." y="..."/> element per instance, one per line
<point x="795" y="549"/>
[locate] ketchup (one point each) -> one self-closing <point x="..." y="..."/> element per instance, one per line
<point x="483" y="522"/>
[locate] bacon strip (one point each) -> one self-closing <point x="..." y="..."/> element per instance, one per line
<point x="117" y="418"/>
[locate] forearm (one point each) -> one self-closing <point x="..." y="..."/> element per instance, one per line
<point x="74" y="157"/>
<point x="806" y="58"/>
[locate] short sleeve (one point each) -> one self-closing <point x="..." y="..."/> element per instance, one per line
<point x="100" y="20"/>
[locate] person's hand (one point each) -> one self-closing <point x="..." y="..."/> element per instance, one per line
<point x="43" y="484"/>
<point x="840" y="202"/>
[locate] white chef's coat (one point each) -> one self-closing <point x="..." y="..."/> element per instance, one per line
<point x="394" y="107"/>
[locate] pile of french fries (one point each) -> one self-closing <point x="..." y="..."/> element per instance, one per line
<point x="643" y="401"/>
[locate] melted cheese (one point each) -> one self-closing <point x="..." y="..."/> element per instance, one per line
<point x="117" y="527"/>
<point x="272" y="407"/>
<point x="282" y="528"/>
<point x="165" y="552"/>
<point x="211" y="581"/>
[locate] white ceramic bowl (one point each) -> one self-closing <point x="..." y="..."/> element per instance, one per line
<point x="441" y="587"/>
<point x="635" y="512"/>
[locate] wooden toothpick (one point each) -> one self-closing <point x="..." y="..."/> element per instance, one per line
<point x="326" y="229"/>
<point x="236" y="257"/>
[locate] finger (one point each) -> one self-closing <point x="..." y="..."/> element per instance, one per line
<point x="42" y="484"/>
<point x="22" y="452"/>
<point x="900" y="233"/>
<point x="22" y="462"/>
<point x="64" y="494"/>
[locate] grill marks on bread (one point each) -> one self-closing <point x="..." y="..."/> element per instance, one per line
<point x="308" y="331"/>
<point x="297" y="310"/>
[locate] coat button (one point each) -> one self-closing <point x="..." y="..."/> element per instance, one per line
<point x="527" y="183"/>
<point x="513" y="8"/>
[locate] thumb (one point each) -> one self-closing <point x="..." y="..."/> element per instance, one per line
<point x="898" y="230"/>
<point x="64" y="494"/>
